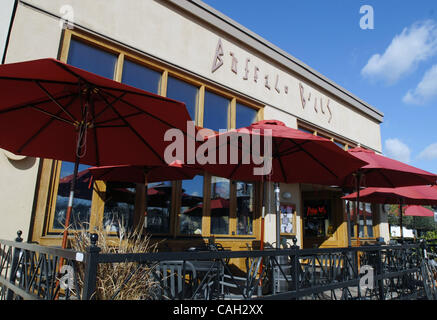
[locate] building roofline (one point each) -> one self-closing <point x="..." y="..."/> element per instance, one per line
<point x="214" y="17"/>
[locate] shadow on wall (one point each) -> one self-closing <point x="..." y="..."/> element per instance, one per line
<point x="21" y="163"/>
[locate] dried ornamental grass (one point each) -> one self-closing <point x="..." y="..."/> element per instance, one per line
<point x="119" y="281"/>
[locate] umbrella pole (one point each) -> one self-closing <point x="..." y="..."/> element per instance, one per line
<point x="348" y="212"/>
<point x="278" y="217"/>
<point x="400" y="220"/>
<point x="70" y="203"/>
<point x="358" y="207"/>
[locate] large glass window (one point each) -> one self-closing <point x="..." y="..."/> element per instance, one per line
<point x="245" y="116"/>
<point x="219" y="203"/>
<point x="80" y="215"/>
<point x="119" y="206"/>
<point x="159" y="195"/>
<point x="141" y="77"/>
<point x="245" y="207"/>
<point x="216" y="110"/>
<point x="92" y="59"/>
<point x="184" y="92"/>
<point x="317" y="218"/>
<point x="190" y="218"/>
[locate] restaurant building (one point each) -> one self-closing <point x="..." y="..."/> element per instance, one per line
<point x="228" y="77"/>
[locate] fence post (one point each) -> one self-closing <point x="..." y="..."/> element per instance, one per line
<point x="380" y="272"/>
<point x="91" y="263"/>
<point x="14" y="265"/>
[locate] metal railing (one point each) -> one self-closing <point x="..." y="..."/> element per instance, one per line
<point x="376" y="272"/>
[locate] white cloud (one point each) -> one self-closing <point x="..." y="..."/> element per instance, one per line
<point x="425" y="90"/>
<point x="416" y="43"/>
<point x="396" y="149"/>
<point x="429" y="153"/>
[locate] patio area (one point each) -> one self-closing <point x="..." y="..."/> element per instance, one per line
<point x="376" y="272"/>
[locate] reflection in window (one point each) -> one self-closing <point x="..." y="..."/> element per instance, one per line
<point x="245" y="207"/>
<point x="91" y="59"/>
<point x="184" y="92"/>
<point x="369" y="219"/>
<point x="220" y="190"/>
<point x="158" y="210"/>
<point x="341" y="145"/>
<point x="215" y="111"/>
<point x="80" y="215"/>
<point x="141" y="77"/>
<point x="190" y="219"/>
<point x="350" y="209"/>
<point x="305" y="130"/>
<point x="245" y="116"/>
<point x="119" y="206"/>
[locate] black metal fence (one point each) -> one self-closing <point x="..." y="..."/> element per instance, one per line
<point x="375" y="272"/>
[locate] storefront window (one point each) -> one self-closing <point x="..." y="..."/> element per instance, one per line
<point x="369" y="220"/>
<point x="245" y="207"/>
<point x="220" y="190"/>
<point x="190" y="219"/>
<point x="317" y="215"/>
<point x="91" y="59"/>
<point x="80" y="215"/>
<point x="159" y="195"/>
<point x="364" y="221"/>
<point x="245" y="116"/>
<point x="141" y="77"/>
<point x="215" y="112"/>
<point x="184" y="92"/>
<point x="119" y="206"/>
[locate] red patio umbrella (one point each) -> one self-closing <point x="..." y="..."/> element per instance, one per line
<point x="295" y="157"/>
<point x="415" y="195"/>
<point x="382" y="172"/>
<point x="418" y="211"/>
<point x="53" y="110"/>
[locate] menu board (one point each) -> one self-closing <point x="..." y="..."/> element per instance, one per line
<point x="288" y="213"/>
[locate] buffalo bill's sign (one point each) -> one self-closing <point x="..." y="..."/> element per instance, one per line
<point x="271" y="82"/>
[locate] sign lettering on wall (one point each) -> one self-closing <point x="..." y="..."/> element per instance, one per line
<point x="273" y="83"/>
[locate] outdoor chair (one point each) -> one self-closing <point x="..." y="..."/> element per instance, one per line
<point x="177" y="279"/>
<point x="242" y="288"/>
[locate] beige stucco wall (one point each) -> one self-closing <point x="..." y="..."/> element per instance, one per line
<point x="33" y="36"/>
<point x="17" y="185"/>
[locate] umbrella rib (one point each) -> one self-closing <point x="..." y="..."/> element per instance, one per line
<point x="292" y="150"/>
<point x="116" y="118"/>
<point x="280" y="160"/>
<point x="107" y="107"/>
<point x="387" y="179"/>
<point x="96" y="141"/>
<point x="314" y="158"/>
<point x="42" y="128"/>
<point x="54" y="116"/>
<point x="146" y="112"/>
<point x="30" y="105"/>
<point x="55" y="101"/>
<point x="40" y="80"/>
<point x="133" y="130"/>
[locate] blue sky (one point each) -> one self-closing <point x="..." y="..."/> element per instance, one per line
<point x="392" y="66"/>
